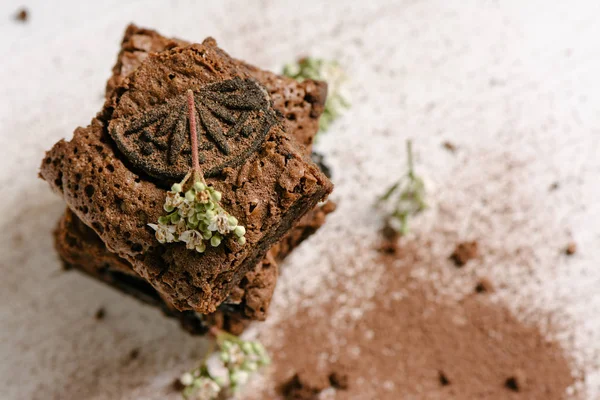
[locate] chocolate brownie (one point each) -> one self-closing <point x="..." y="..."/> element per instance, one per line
<point x="81" y="248"/>
<point x="265" y="180"/>
<point x="299" y="103"/>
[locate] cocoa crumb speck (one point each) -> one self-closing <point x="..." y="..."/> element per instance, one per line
<point x="134" y="354"/>
<point x="512" y="384"/>
<point x="464" y="252"/>
<point x="100" y="314"/>
<point x="484" y="286"/>
<point x="444" y="381"/>
<point x="338" y="380"/>
<point x="22" y="15"/>
<point x="571" y="249"/>
<point x="451" y="147"/>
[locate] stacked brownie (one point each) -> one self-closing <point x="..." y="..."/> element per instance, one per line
<point x="114" y="175"/>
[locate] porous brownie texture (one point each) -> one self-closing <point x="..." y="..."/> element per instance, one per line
<point x="81" y="248"/>
<point x="268" y="191"/>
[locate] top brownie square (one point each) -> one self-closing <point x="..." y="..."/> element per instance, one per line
<point x="114" y="174"/>
<point x="300" y="104"/>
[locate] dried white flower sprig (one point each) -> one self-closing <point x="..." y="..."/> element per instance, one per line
<point x="194" y="214"/>
<point x="406" y="197"/>
<point x="338" y="97"/>
<point x="239" y="358"/>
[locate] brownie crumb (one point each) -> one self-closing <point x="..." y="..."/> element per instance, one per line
<point x="512" y="384"/>
<point x="464" y="252"/>
<point x="516" y="382"/>
<point x="100" y="314"/>
<point x="22" y="15"/>
<point x="338" y="380"/>
<point x="134" y="354"/>
<point x="177" y="385"/>
<point x="389" y="244"/>
<point x="484" y="286"/>
<point x="389" y="247"/>
<point x="451" y="147"/>
<point x="444" y="381"/>
<point x="296" y="389"/>
<point x="571" y="249"/>
<point x="554" y="186"/>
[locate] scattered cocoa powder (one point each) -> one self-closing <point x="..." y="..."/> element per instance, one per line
<point x="464" y="252"/>
<point x="408" y="345"/>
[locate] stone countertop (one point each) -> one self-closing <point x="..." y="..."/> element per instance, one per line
<point x="482" y="74"/>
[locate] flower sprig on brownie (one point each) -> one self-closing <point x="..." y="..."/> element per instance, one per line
<point x="338" y="98"/>
<point x="195" y="215"/>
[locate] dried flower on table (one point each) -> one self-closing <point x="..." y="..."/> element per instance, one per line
<point x="239" y="358"/>
<point x="404" y="198"/>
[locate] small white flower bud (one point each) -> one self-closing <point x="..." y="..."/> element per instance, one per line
<point x="163" y="220"/>
<point x="239" y="378"/>
<point x="232" y="221"/>
<point x="186" y="379"/>
<point x="247" y="348"/>
<point x="224" y="356"/>
<point x="239" y="231"/>
<point x="190" y="195"/>
<point x="176" y="188"/>
<point x="215" y="241"/>
<point x="199" y="186"/>
<point x="201" y="248"/>
<point x="216" y="195"/>
<point x="250" y="366"/>
<point x="220" y="381"/>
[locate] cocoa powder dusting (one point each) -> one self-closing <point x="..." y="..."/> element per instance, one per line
<point x="408" y="345"/>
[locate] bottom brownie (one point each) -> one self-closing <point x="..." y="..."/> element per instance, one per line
<point x="80" y="248"/>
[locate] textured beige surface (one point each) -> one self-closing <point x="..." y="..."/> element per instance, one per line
<point x="489" y="75"/>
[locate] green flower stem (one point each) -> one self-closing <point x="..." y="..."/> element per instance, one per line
<point x="407" y="196"/>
